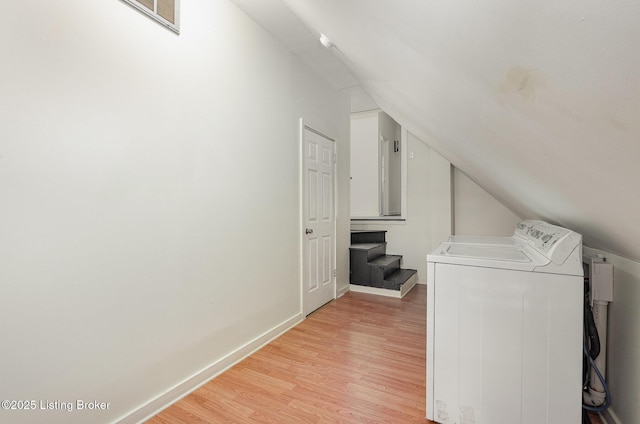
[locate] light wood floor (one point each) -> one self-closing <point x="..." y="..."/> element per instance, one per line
<point x="360" y="359"/>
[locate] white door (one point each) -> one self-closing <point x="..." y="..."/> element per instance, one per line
<point x="319" y="221"/>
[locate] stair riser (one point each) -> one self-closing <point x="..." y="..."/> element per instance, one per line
<point x="386" y="270"/>
<point x="359" y="272"/>
<point x="376" y="277"/>
<point x="396" y="281"/>
<point x="376" y="252"/>
<point x="378" y="274"/>
<point x="368" y="237"/>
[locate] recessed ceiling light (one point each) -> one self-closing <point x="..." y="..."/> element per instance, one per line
<point x="324" y="40"/>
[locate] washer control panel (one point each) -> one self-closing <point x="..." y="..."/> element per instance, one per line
<point x="554" y="242"/>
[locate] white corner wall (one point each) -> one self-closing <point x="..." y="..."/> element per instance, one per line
<point x="476" y="212"/>
<point x="623" y="339"/>
<point x="149" y="192"/>
<point x="365" y="174"/>
<point x="428" y="217"/>
<point x="389" y="130"/>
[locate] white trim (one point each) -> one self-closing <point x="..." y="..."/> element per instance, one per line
<point x="342" y="291"/>
<point x="301" y="192"/>
<point x="321" y="134"/>
<point x="406" y="287"/>
<point x="399" y="294"/>
<point x="389" y="220"/>
<point x="180" y="390"/>
<point x="153" y="14"/>
<point x="374" y="290"/>
<point x="404" y="171"/>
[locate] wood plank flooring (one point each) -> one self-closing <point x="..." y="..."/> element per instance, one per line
<point x="360" y="359"/>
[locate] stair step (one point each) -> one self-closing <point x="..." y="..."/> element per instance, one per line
<point x="371" y="250"/>
<point x="368" y="236"/>
<point x="398" y="278"/>
<point x="364" y="246"/>
<point x="360" y="254"/>
<point x="370" y="265"/>
<point x="381" y="267"/>
<point x="385" y="260"/>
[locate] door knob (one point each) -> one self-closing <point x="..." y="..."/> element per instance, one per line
<point x="308" y="231"/>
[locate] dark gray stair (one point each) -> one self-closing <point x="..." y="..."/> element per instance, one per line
<point x="367" y="236"/>
<point x="398" y="278"/>
<point x="370" y="250"/>
<point x="387" y="261"/>
<point x="371" y="266"/>
<point x="382" y="267"/>
<point x="360" y="255"/>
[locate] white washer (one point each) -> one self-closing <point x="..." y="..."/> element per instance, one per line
<point x="523" y="234"/>
<point x="504" y="328"/>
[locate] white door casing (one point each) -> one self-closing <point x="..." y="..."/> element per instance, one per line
<point x="318" y="229"/>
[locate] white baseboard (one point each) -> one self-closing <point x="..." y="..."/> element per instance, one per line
<point x="202" y="377"/>
<point x="399" y="294"/>
<point x="374" y="290"/>
<point x="342" y="291"/>
<point x="406" y="287"/>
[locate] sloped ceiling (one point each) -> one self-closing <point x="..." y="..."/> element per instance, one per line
<point x="537" y="101"/>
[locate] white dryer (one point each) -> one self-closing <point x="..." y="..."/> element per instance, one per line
<point x="504" y="328"/>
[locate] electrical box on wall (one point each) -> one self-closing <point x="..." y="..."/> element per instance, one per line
<point x="600" y="274"/>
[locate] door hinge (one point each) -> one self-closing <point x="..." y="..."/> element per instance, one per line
<point x="335" y="158"/>
<point x="335" y="272"/>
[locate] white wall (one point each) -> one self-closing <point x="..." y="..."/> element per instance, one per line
<point x="439" y="198"/>
<point x="343" y="175"/>
<point x="367" y="130"/>
<point x="428" y="219"/>
<point x="476" y="212"/>
<point x="389" y="129"/>
<point x="149" y="186"/>
<point x="365" y="164"/>
<point x="623" y="341"/>
<point x="361" y="101"/>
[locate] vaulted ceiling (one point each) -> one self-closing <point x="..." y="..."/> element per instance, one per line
<point x="537" y="101"/>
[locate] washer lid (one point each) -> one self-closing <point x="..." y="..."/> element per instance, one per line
<point x="497" y="240"/>
<point x="518" y="257"/>
<point x="495" y="253"/>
